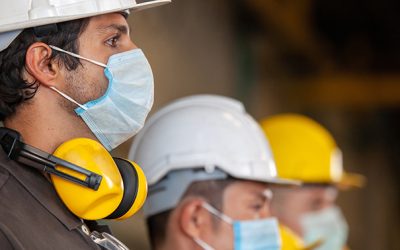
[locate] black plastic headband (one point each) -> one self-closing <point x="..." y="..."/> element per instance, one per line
<point x="12" y="144"/>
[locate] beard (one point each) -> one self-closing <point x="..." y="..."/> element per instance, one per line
<point x="81" y="86"/>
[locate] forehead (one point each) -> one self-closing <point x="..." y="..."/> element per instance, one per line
<point x="242" y="189"/>
<point x="107" y="21"/>
<point x="313" y="193"/>
<point x="321" y="191"/>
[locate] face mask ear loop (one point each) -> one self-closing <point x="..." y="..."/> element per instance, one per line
<point x="217" y="213"/>
<point x="68" y="98"/>
<point x="268" y="194"/>
<point x="78" y="56"/>
<point x="202" y="244"/>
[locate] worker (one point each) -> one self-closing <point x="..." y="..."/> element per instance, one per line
<point x="210" y="173"/>
<point x="304" y="150"/>
<point x="68" y="70"/>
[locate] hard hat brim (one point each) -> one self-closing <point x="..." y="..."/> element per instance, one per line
<point x="286" y="182"/>
<point x="57" y="19"/>
<point x="351" y="180"/>
<point x="9" y="32"/>
<point x="272" y="180"/>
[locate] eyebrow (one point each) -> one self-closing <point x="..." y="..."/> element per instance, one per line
<point x="124" y="29"/>
<point x="262" y="197"/>
<point x="259" y="196"/>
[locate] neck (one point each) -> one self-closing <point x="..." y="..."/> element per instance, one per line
<point x="175" y="238"/>
<point x="44" y="124"/>
<point x="177" y="245"/>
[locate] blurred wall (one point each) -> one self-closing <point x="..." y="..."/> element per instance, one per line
<point x="267" y="56"/>
<point x="190" y="46"/>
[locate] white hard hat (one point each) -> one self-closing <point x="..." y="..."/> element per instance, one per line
<point x="208" y="132"/>
<point x="17" y="15"/>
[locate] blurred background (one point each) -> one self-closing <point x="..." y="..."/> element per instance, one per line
<point x="336" y="61"/>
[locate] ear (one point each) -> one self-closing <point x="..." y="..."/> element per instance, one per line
<point x="193" y="218"/>
<point x="40" y="66"/>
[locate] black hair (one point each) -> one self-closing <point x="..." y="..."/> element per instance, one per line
<point x="14" y="89"/>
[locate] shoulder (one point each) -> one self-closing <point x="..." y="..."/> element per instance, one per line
<point x="7" y="239"/>
<point x="4" y="175"/>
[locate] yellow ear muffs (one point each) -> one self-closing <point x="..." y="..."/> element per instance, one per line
<point x="84" y="202"/>
<point x="121" y="192"/>
<point x="88" y="180"/>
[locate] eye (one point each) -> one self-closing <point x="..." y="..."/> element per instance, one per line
<point x="113" y="41"/>
<point x="257" y="206"/>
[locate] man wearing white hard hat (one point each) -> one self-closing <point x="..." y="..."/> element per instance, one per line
<point x="210" y="171"/>
<point x="68" y="69"/>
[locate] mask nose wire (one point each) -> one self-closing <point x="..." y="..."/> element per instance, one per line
<point x="79" y="56"/>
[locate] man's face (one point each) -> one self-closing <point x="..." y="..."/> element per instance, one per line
<point x="104" y="36"/>
<point x="290" y="204"/>
<point x="242" y="200"/>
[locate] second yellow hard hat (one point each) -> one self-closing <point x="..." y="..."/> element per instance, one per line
<point x="304" y="150"/>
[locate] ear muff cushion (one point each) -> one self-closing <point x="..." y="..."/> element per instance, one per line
<point x="130" y="181"/>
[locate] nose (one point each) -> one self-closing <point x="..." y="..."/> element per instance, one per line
<point x="132" y="45"/>
<point x="265" y="212"/>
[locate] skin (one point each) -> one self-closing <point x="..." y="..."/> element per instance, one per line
<point x="47" y="120"/>
<point x="290" y="204"/>
<point x="242" y="200"/>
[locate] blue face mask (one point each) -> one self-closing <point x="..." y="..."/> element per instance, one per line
<point x="121" y="112"/>
<point x="327" y="226"/>
<point x="261" y="234"/>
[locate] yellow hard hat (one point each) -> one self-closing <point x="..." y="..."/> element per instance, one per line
<point x="304" y="150"/>
<point x="291" y="241"/>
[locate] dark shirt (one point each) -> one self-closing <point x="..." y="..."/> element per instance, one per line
<point x="32" y="216"/>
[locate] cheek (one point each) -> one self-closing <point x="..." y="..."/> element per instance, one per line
<point x="99" y="83"/>
<point x="86" y="83"/>
<point x="223" y="237"/>
<point x="300" y="202"/>
<point x="266" y="211"/>
<point x="242" y="209"/>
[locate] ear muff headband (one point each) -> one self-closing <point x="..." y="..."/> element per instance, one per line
<point x="118" y="195"/>
<point x="12" y="144"/>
